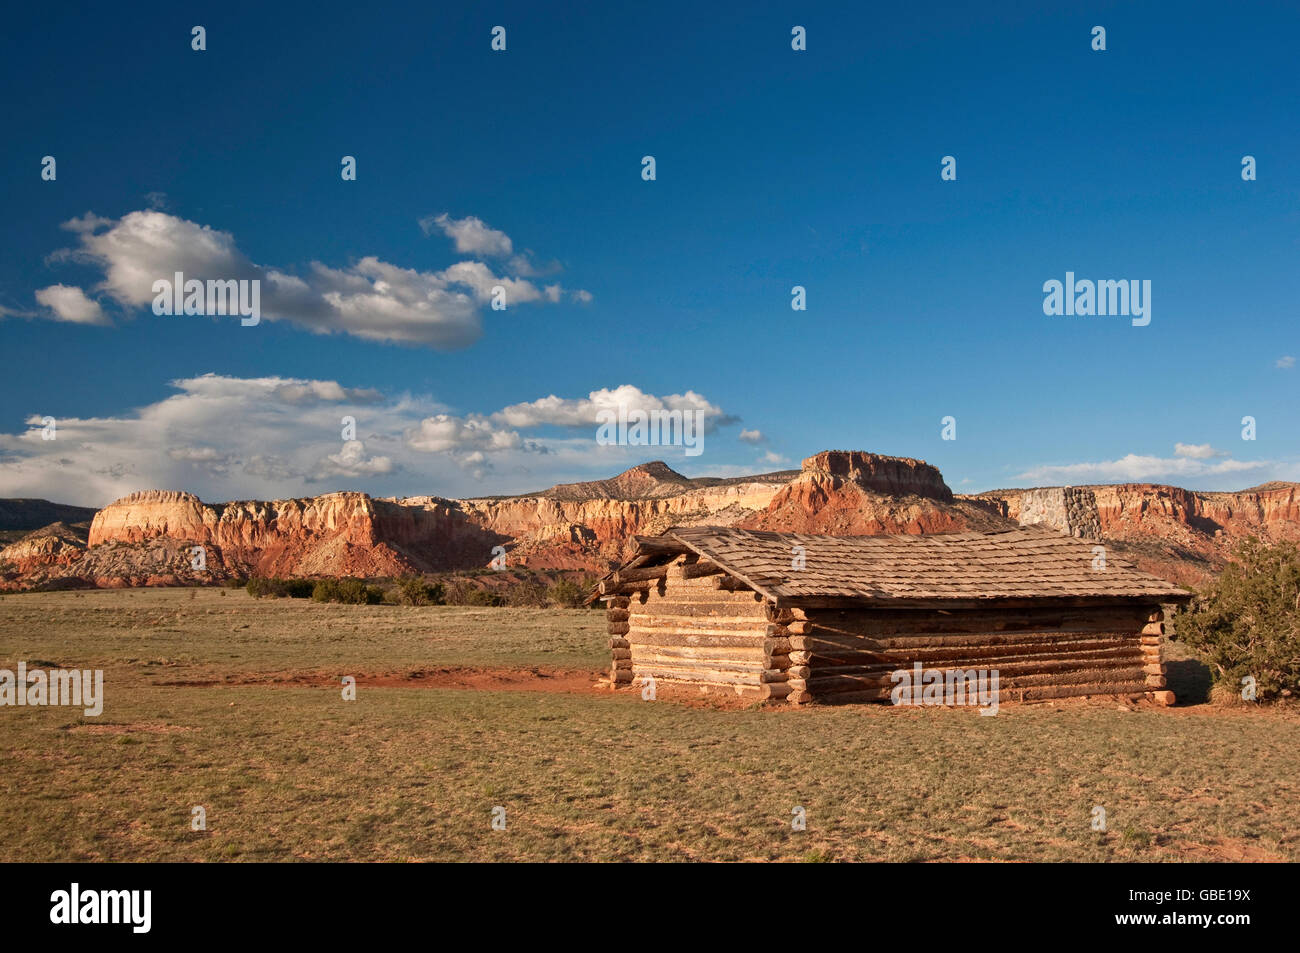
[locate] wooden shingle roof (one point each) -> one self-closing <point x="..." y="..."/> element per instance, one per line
<point x="1030" y="565"/>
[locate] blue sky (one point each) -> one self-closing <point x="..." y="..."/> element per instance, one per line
<point x="775" y="168"/>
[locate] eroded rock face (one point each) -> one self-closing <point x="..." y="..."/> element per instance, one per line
<point x="352" y="534"/>
<point x="1271" y="511"/>
<point x="56" y="545"/>
<point x="331" y="535"/>
<point x="148" y="538"/>
<point x="893" y="476"/>
<point x="852" y="493"/>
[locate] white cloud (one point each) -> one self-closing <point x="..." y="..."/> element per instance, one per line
<point x="1285" y="363"/>
<point x="89" y="222"/>
<point x="209" y="458"/>
<point x="71" y="304"/>
<point x="304" y="392"/>
<point x="471" y="235"/>
<point x="229" y="438"/>
<point x="444" y="434"/>
<point x="195" y="454"/>
<point x="773" y="458"/>
<point x="583" y="411"/>
<point x="1135" y="468"/>
<point x="351" y="461"/>
<point x="370" y="299"/>
<point x="752" y="436"/>
<point x="1197" y="451"/>
<point x="480" y="279"/>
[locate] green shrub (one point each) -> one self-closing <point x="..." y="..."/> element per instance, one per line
<point x="348" y="591"/>
<point x="1247" y="622"/>
<point x="414" y="591"/>
<point x="566" y="592"/>
<point x="258" y="588"/>
<point x="326" y="590"/>
<point x="280" y="588"/>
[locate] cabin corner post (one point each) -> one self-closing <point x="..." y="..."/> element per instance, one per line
<point x="787" y="655"/>
<point x="1152" y="665"/>
<point x="620" y="649"/>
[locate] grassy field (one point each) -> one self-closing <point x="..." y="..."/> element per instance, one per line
<point x="219" y="700"/>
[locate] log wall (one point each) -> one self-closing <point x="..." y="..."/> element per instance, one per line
<point x="850" y="655"/>
<point x="687" y="631"/>
<point x="690" y="625"/>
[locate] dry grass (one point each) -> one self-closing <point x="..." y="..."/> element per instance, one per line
<point x="412" y="773"/>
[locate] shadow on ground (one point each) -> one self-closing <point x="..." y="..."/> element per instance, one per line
<point x="1189" y="680"/>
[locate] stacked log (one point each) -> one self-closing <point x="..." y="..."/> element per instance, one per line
<point x="616" y="615"/>
<point x="694" y="633"/>
<point x="851" y="655"/>
<point x="784" y="660"/>
<point x="1154" y="667"/>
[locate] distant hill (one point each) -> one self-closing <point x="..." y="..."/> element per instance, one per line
<point x="20" y="517"/>
<point x="646" y="481"/>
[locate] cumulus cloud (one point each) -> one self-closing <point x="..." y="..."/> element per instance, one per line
<point x="1285" y="363"/>
<point x="773" y="458"/>
<point x="444" y="434"/>
<point x="208" y="458"/>
<point x="222" y="437"/>
<point x="471" y="235"/>
<point x="310" y="392"/>
<point x="1137" y="468"/>
<point x="370" y="299"/>
<point x="584" y="411"/>
<point x="275" y="437"/>
<point x="351" y="461"/>
<point x="752" y="436"/>
<point x="69" y="303"/>
<point x="1197" y="451"/>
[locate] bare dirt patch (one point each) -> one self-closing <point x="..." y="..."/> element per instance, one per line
<point x="471" y="678"/>
<point x="1233" y="851"/>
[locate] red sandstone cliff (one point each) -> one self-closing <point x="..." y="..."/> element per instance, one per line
<point x="852" y="493"/>
<point x="148" y="538"/>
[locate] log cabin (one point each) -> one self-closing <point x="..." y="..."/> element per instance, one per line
<point x="805" y="618"/>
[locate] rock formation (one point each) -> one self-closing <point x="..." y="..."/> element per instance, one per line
<point x="150" y="538"/>
<point x="852" y="493"/>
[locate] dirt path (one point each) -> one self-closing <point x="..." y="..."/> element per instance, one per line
<point x="473" y="678"/>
